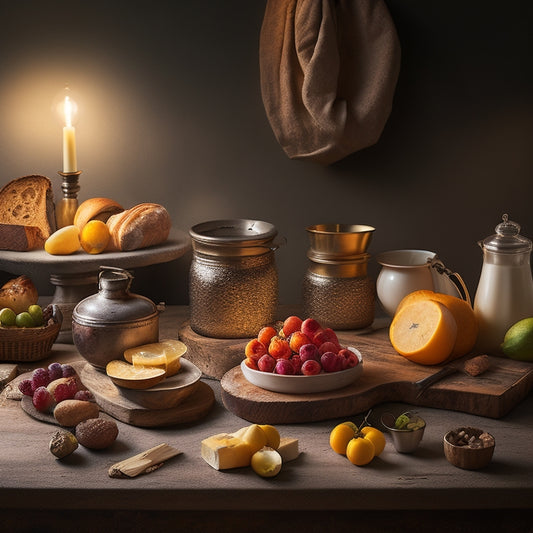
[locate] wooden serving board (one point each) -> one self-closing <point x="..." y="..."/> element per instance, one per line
<point x="111" y="401"/>
<point x="387" y="377"/>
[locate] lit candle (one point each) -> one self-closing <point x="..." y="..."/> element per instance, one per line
<point x="69" y="139"/>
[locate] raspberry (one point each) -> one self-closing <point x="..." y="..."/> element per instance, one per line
<point x="42" y="399"/>
<point x="55" y="371"/>
<point x="25" y="386"/>
<point x="40" y="378"/>
<point x="85" y="395"/>
<point x="67" y="371"/>
<point x="65" y="391"/>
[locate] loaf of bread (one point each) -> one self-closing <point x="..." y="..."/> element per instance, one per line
<point x="29" y="201"/>
<point x="141" y="226"/>
<point x="96" y="209"/>
<point x="17" y="238"/>
<point x="18" y="294"/>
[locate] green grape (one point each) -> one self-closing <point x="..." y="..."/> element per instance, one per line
<point x="401" y="421"/>
<point x="24" y="320"/>
<point x="7" y="317"/>
<point x="37" y="314"/>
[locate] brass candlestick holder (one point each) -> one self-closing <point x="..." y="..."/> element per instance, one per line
<point x="67" y="207"/>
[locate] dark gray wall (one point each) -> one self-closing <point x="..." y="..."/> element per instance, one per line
<point x="172" y="113"/>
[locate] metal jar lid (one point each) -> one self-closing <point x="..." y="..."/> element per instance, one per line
<point x="507" y="239"/>
<point x="114" y="304"/>
<point x="233" y="237"/>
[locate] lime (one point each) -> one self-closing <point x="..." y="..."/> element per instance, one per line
<point x="7" y="317"/>
<point x="24" y="320"/>
<point x="518" y="341"/>
<point x="36" y="313"/>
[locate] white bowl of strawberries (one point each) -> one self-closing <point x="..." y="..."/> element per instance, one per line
<point x="300" y="357"/>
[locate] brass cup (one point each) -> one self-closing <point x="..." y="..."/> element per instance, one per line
<point x="339" y="240"/>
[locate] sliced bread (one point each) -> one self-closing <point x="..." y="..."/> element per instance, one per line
<point x="29" y="201"/>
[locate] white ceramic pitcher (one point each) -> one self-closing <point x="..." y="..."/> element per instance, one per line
<point x="406" y="271"/>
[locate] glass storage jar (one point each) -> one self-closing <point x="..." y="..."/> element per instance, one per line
<point x="233" y="283"/>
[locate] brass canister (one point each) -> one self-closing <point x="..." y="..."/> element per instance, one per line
<point x="336" y="289"/>
<point x="339" y="294"/>
<point x="233" y="283"/>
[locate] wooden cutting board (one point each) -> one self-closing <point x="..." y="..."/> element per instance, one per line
<point x="387" y="377"/>
<point x="112" y="402"/>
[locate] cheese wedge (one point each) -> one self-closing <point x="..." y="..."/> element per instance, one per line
<point x="225" y="451"/>
<point x="288" y="449"/>
<point x="232" y="450"/>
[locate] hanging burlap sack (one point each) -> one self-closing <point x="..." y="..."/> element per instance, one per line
<point x="328" y="73"/>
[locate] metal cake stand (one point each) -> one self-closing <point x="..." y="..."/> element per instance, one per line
<point x="76" y="276"/>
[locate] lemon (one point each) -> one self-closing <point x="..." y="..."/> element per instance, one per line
<point x="273" y="437"/>
<point x="518" y="341"/>
<point x="64" y="241"/>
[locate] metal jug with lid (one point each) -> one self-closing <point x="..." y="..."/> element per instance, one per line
<point x="505" y="291"/>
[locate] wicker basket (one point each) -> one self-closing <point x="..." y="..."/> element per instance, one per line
<point x="29" y="344"/>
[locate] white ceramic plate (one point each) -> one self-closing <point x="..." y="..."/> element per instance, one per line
<point x="323" y="382"/>
<point x="187" y="375"/>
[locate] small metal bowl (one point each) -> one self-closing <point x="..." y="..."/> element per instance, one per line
<point x="404" y="440"/>
<point x="464" y="456"/>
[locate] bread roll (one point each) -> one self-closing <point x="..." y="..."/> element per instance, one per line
<point x="18" y="294"/>
<point x="96" y="209"/>
<point x="29" y="201"/>
<point x="139" y="227"/>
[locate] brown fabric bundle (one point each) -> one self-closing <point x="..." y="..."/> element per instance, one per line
<point x="328" y="73"/>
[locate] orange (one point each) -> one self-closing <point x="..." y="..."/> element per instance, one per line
<point x="466" y="320"/>
<point x="340" y="436"/>
<point x="360" y="451"/>
<point x="94" y="236"/>
<point x="424" y="332"/>
<point x="377" y="438"/>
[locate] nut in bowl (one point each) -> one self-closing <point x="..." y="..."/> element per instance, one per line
<point x="469" y="448"/>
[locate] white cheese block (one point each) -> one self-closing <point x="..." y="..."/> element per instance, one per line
<point x="288" y="449"/>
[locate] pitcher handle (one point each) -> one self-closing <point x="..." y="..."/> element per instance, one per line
<point x="454" y="277"/>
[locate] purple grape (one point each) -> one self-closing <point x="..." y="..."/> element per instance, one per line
<point x="40" y="378"/>
<point x="266" y="363"/>
<point x="55" y="371"/>
<point x="309" y="351"/>
<point x="67" y="371"/>
<point x="42" y="399"/>
<point x="311" y="368"/>
<point x="331" y="362"/>
<point x="284" y="367"/>
<point x="85" y="395"/>
<point x="25" y="386"/>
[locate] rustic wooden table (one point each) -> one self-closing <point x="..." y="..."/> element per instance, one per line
<point x="320" y="490"/>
